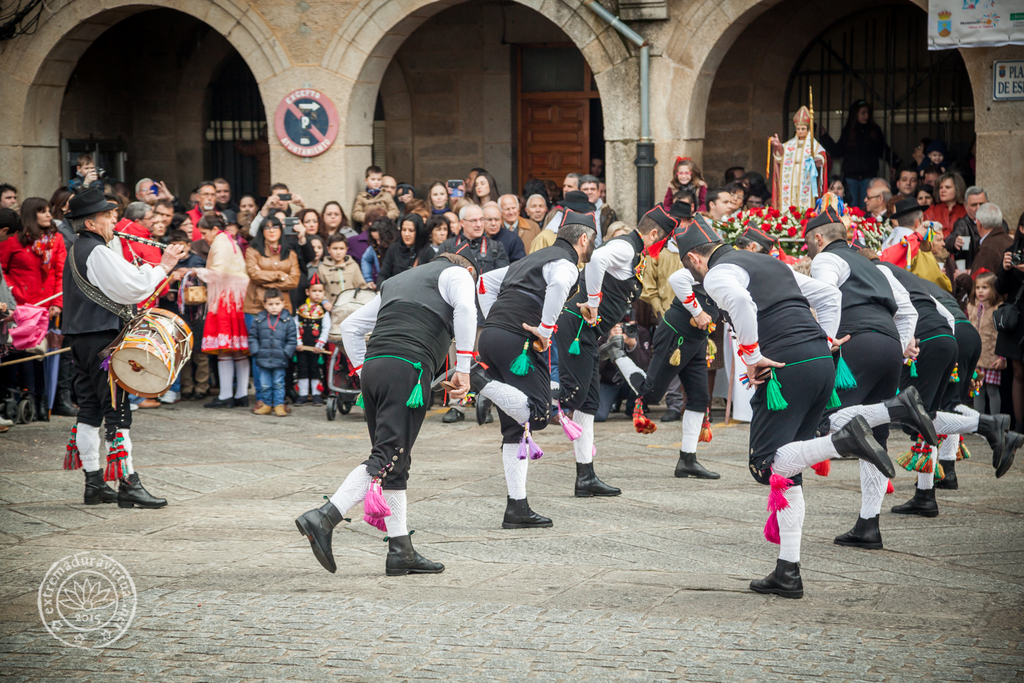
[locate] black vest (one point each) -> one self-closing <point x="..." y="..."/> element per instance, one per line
<point x="521" y="299"/>
<point x="929" y="321"/>
<point x="414" y="321"/>
<point x="483" y="248"/>
<point x="947" y="300"/>
<point x="784" y="317"/>
<point x="679" y="317"/>
<point x="81" y="314"/>
<point x="617" y="296"/>
<point x="868" y="301"/>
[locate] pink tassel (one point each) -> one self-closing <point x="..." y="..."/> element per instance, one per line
<point x="524" y="449"/>
<point x="777" y="497"/>
<point x="375" y="508"/>
<point x="572" y="430"/>
<point x="771" y="529"/>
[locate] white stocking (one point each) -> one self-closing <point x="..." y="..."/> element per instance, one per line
<point x="872" y="490"/>
<point x="584" y="446"/>
<point x="303" y="387"/>
<point x="241" y="378"/>
<point x="791" y="522"/>
<point x="515" y="470"/>
<point x="352" y="490"/>
<point x="88" y="440"/>
<point x="795" y="457"/>
<point x="875" y="414"/>
<point x="956" y="423"/>
<point x="926" y="480"/>
<point x="226" y="373"/>
<point x="634" y="376"/>
<point x="395" y="523"/>
<point x="128" y="449"/>
<point x="949" y="447"/>
<point x="692" y="422"/>
<point x="509" y="400"/>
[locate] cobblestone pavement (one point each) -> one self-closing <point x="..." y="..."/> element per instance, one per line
<point x="649" y="586"/>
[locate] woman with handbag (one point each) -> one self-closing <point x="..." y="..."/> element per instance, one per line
<point x="1007" y="320"/>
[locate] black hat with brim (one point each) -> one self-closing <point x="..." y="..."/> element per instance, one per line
<point x="697" y="233"/>
<point x="88" y="203"/>
<point x="577" y="201"/>
<point x="905" y="206"/>
<point x="681" y="210"/>
<point x="576" y="218"/>
<point x="826" y="217"/>
<point x="755" y="234"/>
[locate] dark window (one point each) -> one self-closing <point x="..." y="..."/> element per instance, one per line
<point x="553" y="69"/>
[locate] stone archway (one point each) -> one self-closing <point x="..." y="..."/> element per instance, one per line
<point x="34" y="72"/>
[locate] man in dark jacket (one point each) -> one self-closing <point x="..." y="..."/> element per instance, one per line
<point x="496" y="231"/>
<point x="991" y="242"/>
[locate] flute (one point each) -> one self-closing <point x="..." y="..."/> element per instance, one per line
<point x="141" y="240"/>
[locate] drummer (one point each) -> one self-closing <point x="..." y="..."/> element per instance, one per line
<point x="101" y="290"/>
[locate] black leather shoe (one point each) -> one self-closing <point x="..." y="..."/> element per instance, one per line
<point x="784" y="581"/>
<point x="689" y="467"/>
<point x="62" y="405"/>
<point x="42" y="410"/>
<point x="1013" y="442"/>
<point x="403" y="559"/>
<point x="948" y="480"/>
<point x="909" y="410"/>
<point x="518" y="515"/>
<point x="241" y="402"/>
<point x="452" y="416"/>
<point x="672" y="415"/>
<point x="483" y="411"/>
<point x="301" y="401"/>
<point x="220" y="403"/>
<point x="96" y="490"/>
<point x="923" y="503"/>
<point x="994" y="428"/>
<point x="864" y="534"/>
<point x="318" y="526"/>
<point x="856" y="441"/>
<point x="613" y="349"/>
<point x="587" y="483"/>
<point x="131" y="493"/>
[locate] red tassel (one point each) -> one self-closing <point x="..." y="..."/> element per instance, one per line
<point x="705" y="430"/>
<point x="481" y="280"/>
<point x="640" y="421"/>
<point x="889" y="489"/>
<point x="656" y="248"/>
<point x="117" y="460"/>
<point x="73" y="459"/>
<point x="822" y="468"/>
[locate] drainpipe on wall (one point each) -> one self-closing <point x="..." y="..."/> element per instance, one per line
<point x="645" y="161"/>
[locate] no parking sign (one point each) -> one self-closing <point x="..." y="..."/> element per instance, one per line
<point x="306" y="122"/>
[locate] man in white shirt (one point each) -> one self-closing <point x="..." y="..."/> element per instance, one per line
<point x="101" y="290"/>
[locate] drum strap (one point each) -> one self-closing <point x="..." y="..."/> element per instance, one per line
<point x="93" y="293"/>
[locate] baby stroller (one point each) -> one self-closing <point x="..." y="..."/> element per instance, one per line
<point x="342" y="384"/>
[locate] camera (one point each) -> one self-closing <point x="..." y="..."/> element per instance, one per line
<point x="289" y="224"/>
<point x="285" y="197"/>
<point x="630" y="330"/>
<point x="455" y="188"/>
<point x="1016" y="259"/>
<point x="101" y="173"/>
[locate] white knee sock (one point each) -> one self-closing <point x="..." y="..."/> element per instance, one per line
<point x="395" y="523"/>
<point x="352" y="490"/>
<point x="791" y="522"/>
<point x="634" y="376"/>
<point x="303" y="387"/>
<point x="226" y="373"/>
<point x="956" y="423"/>
<point x="509" y="400"/>
<point x="872" y="490"/>
<point x="515" y="471"/>
<point x="797" y="456"/>
<point x="949" y="447"/>
<point x="241" y="378"/>
<point x="692" y="422"/>
<point x="926" y="480"/>
<point x="584" y="446"/>
<point x="876" y="415"/>
<point x="128" y="449"/>
<point x="88" y="441"/>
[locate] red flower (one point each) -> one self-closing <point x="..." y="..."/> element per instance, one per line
<point x="856" y="212"/>
<point x="791" y="232"/>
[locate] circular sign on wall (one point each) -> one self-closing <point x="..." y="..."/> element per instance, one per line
<point x="306" y="122"/>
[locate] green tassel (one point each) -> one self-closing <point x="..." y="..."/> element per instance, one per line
<point x="833" y="401"/>
<point x="913" y="368"/>
<point x="359" y="401"/>
<point x="521" y="365"/>
<point x="844" y="376"/>
<point x="416" y="395"/>
<point x="775" y="400"/>
<point x="574" y="348"/>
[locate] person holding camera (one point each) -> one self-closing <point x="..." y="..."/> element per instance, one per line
<point x="87" y="176"/>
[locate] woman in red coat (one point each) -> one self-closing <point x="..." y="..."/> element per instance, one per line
<point x="949" y="207"/>
<point x="33" y="265"/>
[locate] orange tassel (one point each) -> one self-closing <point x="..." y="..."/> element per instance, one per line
<point x="705" y="430"/>
<point x="822" y="468"/>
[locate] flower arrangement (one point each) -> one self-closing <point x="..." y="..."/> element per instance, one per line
<point x="788" y="225"/>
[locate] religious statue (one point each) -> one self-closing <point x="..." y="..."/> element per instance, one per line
<point x="797" y="166"/>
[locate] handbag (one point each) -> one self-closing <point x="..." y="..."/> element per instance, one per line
<point x="1006" y="318"/>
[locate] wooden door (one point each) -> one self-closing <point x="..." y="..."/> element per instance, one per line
<point x="554" y="137"/>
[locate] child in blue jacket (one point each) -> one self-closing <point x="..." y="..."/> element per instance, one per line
<point x="272" y="340"/>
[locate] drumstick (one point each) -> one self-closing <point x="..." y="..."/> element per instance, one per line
<point x="28" y="358"/>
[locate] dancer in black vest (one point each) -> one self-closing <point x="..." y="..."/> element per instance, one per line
<point x="531" y="296"/>
<point x="604" y="295"/>
<point x="879" y="319"/>
<point x="788" y="358"/>
<point x="683" y="331"/>
<point x="413" y="320"/>
<point x="100" y="293"/>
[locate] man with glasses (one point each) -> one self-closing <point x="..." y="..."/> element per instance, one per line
<point x="877" y="198"/>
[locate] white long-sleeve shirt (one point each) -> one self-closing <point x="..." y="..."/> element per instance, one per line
<point x="727" y="284"/>
<point x="681" y="283"/>
<point x="616" y="259"/>
<point x="559" y="275"/>
<point x="832" y="269"/>
<point x="325" y="327"/>
<point x="123" y="282"/>
<point x="456" y="287"/>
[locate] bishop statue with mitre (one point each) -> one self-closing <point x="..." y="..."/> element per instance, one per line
<point x="798" y="176"/>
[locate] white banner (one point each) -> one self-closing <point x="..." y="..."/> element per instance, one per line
<point x="975" y="23"/>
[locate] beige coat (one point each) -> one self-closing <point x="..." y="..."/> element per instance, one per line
<point x="657" y="292"/>
<point x="982" y="321"/>
<point x="338" y="278"/>
<point x="364" y="202"/>
<point x="527" y="231"/>
<point x="269" y="272"/>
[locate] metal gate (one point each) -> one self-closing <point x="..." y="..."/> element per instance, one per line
<point x="882" y="56"/>
<point x="236" y="132"/>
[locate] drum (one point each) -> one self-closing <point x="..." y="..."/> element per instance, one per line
<point x="154" y="349"/>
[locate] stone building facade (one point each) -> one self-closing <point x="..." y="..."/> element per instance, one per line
<point x="719" y="70"/>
